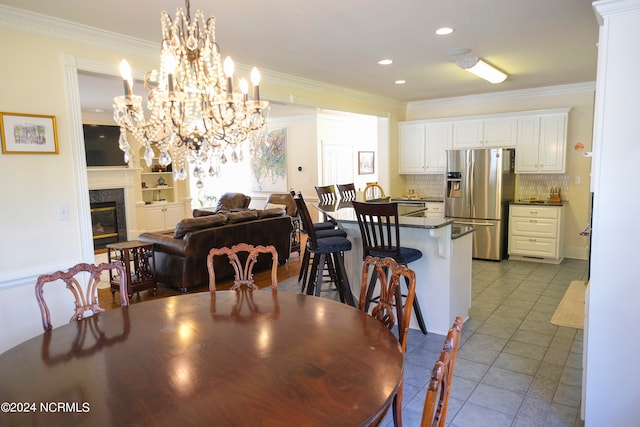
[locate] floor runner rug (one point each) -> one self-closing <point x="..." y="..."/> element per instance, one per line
<point x="570" y="311"/>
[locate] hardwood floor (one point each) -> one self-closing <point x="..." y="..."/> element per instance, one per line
<point x="262" y="279"/>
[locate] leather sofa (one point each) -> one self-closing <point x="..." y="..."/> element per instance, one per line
<point x="181" y="256"/>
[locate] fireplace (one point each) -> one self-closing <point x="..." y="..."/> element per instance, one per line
<point x="108" y="218"/>
<point x="104" y="224"/>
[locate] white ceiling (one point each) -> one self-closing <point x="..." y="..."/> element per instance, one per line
<point x="537" y="42"/>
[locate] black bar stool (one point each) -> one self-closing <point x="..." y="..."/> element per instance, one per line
<point x="326" y="250"/>
<point x="381" y="238"/>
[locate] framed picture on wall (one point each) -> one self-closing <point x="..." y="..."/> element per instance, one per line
<point x="365" y="162"/>
<point x="28" y="134"/>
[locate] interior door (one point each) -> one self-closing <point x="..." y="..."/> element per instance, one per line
<point x="337" y="164"/>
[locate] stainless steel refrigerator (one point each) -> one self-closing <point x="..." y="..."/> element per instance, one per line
<point x="480" y="183"/>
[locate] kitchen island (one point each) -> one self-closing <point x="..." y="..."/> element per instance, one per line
<point x="443" y="274"/>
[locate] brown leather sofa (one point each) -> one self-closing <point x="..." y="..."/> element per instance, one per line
<point x="181" y="257"/>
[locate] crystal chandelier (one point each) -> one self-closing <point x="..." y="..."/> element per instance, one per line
<point x="197" y="114"/>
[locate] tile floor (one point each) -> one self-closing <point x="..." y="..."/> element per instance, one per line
<point x="514" y="368"/>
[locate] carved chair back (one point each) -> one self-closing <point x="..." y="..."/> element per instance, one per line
<point x="439" y="387"/>
<point x="82" y="280"/>
<point x="243" y="266"/>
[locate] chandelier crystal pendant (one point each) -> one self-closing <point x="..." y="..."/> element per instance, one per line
<point x="196" y="113"/>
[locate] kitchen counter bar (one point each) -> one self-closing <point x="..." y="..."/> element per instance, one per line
<point x="443" y="273"/>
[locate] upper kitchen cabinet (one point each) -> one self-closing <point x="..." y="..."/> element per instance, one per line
<point x="542" y="140"/>
<point x="485" y="133"/>
<point x="423" y="146"/>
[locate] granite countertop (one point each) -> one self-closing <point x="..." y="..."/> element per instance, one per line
<point x="425" y="199"/>
<point x="343" y="211"/>
<point x="461" y="230"/>
<point x="538" y="202"/>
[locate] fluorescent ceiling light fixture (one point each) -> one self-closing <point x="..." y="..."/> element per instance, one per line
<point x="481" y="69"/>
<point x="443" y="31"/>
<point x="385" y="62"/>
<point x="400" y="82"/>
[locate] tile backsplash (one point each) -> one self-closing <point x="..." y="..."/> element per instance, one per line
<point x="431" y="185"/>
<point x="528" y="185"/>
<point x="537" y="186"/>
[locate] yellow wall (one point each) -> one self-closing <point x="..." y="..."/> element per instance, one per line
<point x="32" y="80"/>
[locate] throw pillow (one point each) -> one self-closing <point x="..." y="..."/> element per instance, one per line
<point x="203" y="212"/>
<point x="192" y="224"/>
<point x="241" y="216"/>
<point x="268" y="213"/>
<point x="275" y="206"/>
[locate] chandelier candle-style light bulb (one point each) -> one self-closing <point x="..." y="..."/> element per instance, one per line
<point x="194" y="114"/>
<point x="125" y="72"/>
<point x="228" y="71"/>
<point x="255" y="81"/>
<point x="244" y="88"/>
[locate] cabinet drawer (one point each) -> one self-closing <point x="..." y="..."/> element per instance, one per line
<point x="534" y="211"/>
<point x="533" y="246"/>
<point x="534" y="227"/>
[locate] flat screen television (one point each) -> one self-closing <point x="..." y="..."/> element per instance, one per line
<point x="101" y="145"/>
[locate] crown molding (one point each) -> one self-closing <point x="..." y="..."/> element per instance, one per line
<point x="612" y="7"/>
<point x="506" y="95"/>
<point x="48" y="26"/>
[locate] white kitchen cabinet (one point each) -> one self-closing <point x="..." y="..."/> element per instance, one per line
<point x="535" y="233"/>
<point x="422" y="146"/>
<point x="163" y="216"/>
<point x="434" y="209"/>
<point x="485" y="133"/>
<point x="542" y="141"/>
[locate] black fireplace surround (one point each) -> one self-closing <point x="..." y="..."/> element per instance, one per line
<point x="101" y="198"/>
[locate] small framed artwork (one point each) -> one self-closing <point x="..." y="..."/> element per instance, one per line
<point x="28" y="134"/>
<point x="365" y="163"/>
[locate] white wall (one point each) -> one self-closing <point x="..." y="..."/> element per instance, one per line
<point x="612" y="392"/>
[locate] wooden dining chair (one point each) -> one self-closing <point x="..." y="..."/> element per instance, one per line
<point x="439" y="387"/>
<point x="243" y="265"/>
<point x="347" y="192"/>
<point x="388" y="308"/>
<point x="82" y="280"/>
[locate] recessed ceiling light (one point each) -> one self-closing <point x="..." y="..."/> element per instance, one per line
<point x="458" y="51"/>
<point x="400" y="82"/>
<point x="385" y="62"/>
<point x="443" y="31"/>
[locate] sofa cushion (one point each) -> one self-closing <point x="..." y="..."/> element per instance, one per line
<point x="269" y="213"/>
<point x="241" y="216"/>
<point x="187" y="225"/>
<point x="203" y="212"/>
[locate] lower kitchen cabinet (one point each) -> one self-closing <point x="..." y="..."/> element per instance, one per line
<point x="434" y="209"/>
<point x="535" y="233"/>
<point x="159" y="217"/>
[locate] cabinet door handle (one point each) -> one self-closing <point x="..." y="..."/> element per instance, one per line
<point x="533" y="212"/>
<point x="533" y="220"/>
<point x="532" y="240"/>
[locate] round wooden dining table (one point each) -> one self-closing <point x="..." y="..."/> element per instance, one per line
<point x="233" y="358"/>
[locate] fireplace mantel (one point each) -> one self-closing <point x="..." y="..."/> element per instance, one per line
<point x="100" y="178"/>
